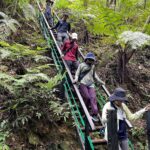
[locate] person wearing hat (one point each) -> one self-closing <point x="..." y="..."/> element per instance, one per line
<point x="63" y="27"/>
<point x="117" y="102"/>
<point x="70" y="52"/>
<point x="86" y="75"/>
<point x="48" y="11"/>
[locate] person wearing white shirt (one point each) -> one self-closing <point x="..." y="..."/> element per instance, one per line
<point x="117" y="102"/>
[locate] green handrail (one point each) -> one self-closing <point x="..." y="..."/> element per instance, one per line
<point x="71" y="99"/>
<point x="59" y="66"/>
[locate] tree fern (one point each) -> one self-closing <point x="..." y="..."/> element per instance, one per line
<point x="9" y="25"/>
<point x="134" y="39"/>
<point x="29" y="12"/>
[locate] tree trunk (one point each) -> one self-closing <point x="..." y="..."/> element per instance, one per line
<point x="123" y="59"/>
<point x="1" y="4"/>
<point x="85" y="3"/>
<point x="145" y="1"/>
<point x="86" y="36"/>
<point x="110" y="3"/>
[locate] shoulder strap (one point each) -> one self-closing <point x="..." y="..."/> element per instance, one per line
<point x="94" y="71"/>
<point x="84" y="73"/>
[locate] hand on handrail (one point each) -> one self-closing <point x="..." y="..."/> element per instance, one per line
<point x="74" y="81"/>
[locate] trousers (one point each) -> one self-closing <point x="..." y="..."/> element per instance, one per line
<point x="89" y="97"/>
<point x="61" y="37"/>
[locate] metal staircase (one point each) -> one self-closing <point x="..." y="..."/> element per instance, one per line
<point x="85" y="126"/>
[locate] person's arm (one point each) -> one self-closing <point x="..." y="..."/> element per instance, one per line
<point x="104" y="113"/>
<point x="56" y="26"/>
<point x="97" y="78"/>
<point x="133" y="116"/>
<point x="77" y="74"/>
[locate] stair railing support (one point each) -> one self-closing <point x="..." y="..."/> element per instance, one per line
<point x="87" y="132"/>
<point x="112" y="130"/>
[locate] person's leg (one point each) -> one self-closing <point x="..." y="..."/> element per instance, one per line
<point x="59" y="39"/>
<point x="75" y="65"/>
<point x="51" y="21"/>
<point x="124" y="144"/>
<point x="69" y="64"/>
<point x="66" y="37"/>
<point x="85" y="94"/>
<point x="93" y="101"/>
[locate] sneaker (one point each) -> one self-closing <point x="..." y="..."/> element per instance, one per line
<point x="95" y="118"/>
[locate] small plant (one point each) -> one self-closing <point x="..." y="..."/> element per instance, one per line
<point x="3" y="136"/>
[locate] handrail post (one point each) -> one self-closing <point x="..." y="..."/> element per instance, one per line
<point x="87" y="131"/>
<point x="148" y="128"/>
<point x="112" y="130"/>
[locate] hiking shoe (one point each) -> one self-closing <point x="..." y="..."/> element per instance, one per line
<point x="95" y="118"/>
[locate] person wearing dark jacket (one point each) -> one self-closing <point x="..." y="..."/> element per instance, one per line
<point x="48" y="12"/>
<point x="62" y="27"/>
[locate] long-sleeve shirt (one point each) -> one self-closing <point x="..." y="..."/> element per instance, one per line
<point x="122" y="113"/>
<point x="72" y="53"/>
<point x="62" y="26"/>
<point x="89" y="78"/>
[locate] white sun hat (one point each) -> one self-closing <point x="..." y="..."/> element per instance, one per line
<point x="74" y="36"/>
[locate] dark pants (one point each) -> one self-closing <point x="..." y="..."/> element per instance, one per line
<point x="72" y="65"/>
<point x="89" y="96"/>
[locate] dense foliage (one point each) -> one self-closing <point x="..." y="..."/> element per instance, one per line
<point x="101" y="19"/>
